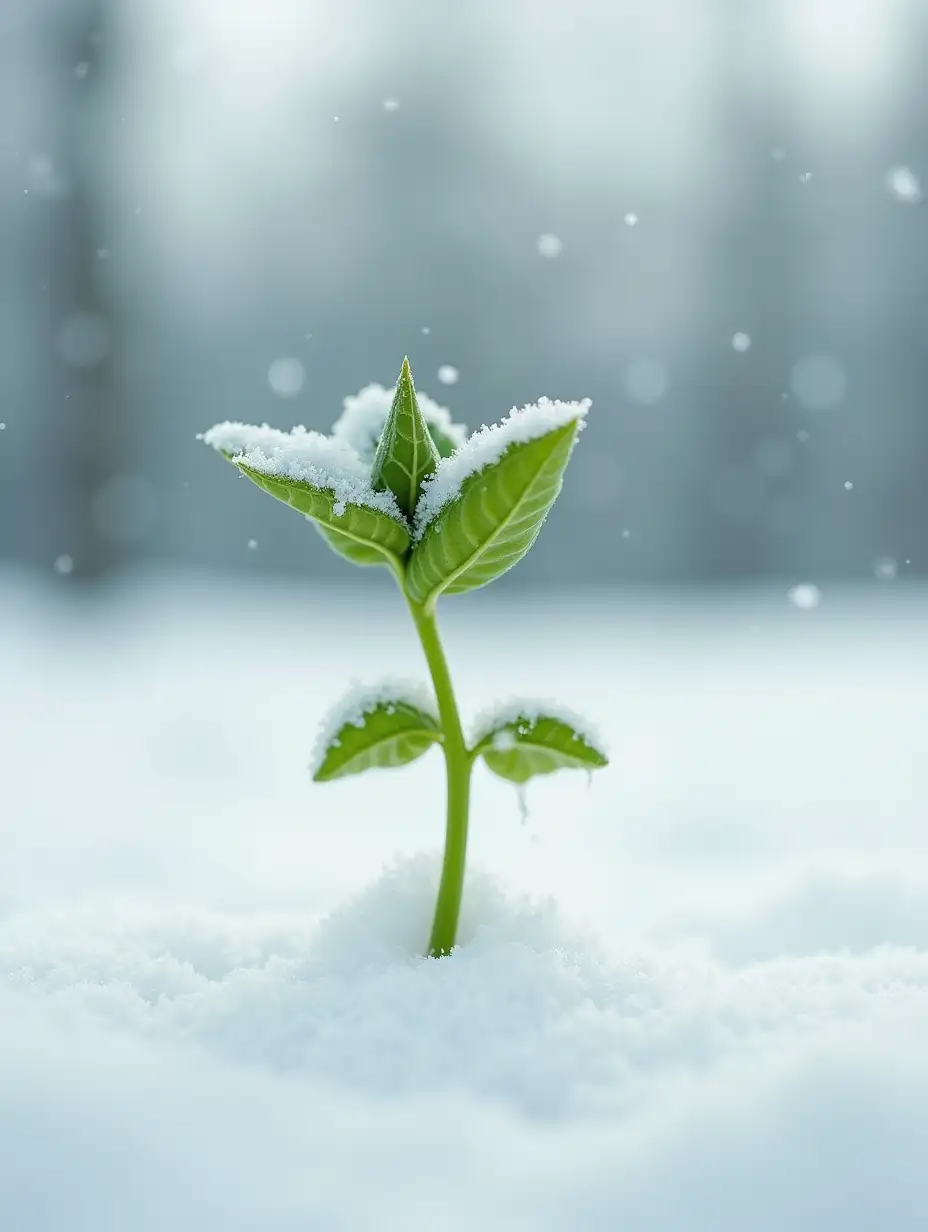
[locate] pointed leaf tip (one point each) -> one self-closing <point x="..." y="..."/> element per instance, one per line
<point x="406" y="454"/>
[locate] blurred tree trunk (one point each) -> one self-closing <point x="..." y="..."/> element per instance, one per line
<point x="59" y="443"/>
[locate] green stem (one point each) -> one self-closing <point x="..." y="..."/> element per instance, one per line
<point x="458" y="765"/>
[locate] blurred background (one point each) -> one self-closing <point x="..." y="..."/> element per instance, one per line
<point x="706" y="215"/>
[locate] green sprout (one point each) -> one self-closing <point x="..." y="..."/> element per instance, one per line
<point x="398" y="484"/>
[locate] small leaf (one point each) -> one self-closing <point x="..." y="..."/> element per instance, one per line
<point x="494" y="520"/>
<point x="405" y="453"/>
<point x="530" y="745"/>
<point x="389" y="733"/>
<point x="361" y="534"/>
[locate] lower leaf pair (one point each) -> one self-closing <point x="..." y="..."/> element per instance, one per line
<point x="389" y="726"/>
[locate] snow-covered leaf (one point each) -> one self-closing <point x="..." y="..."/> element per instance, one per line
<point x="381" y="727"/>
<point x="363" y="535"/>
<point x="323" y="479"/>
<point x="526" y="742"/>
<point x="405" y="453"/>
<point x="483" y="508"/>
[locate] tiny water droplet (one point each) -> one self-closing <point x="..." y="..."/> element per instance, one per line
<point x="81" y="70"/>
<point x="741" y="342"/>
<point x="626" y="533"/>
<point x="805" y="177"/>
<point x="426" y="329"/>
<point x="64" y="564"/>
<point x="523" y="804"/>
<point x="252" y="545"/>
<point x="2" y="427"/>
<point x="391" y="104"/>
<point x="802" y="435"/>
<point x="448" y="375"/>
<point x="103" y="254"/>
<point x="886" y="568"/>
<point x="630" y="219"/>
<point x="777" y="153"/>
<point x="848" y="485"/>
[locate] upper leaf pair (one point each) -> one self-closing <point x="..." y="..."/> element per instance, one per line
<point x="444" y="518"/>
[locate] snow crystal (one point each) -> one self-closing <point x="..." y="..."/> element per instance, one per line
<point x="391" y="104"/>
<point x="502" y="714"/>
<point x="361" y="700"/>
<point x="903" y="184"/>
<point x="741" y="342"/>
<point x="64" y="565"/>
<point x="886" y="568"/>
<point x="448" y="374"/>
<point x="631" y="220"/>
<point x="307" y="457"/>
<point x="805" y="596"/>
<point x="549" y="245"/>
<point x="361" y="422"/>
<point x="286" y="376"/>
<point x="818" y="381"/>
<point x="488" y="446"/>
<point x="646" y="381"/>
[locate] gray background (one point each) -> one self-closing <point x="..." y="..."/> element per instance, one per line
<point x="180" y="207"/>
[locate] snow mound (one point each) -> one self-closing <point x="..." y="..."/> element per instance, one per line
<point x="359" y="701"/>
<point x="365" y="413"/>
<point x="307" y="457"/>
<point x="525" y="1014"/>
<point x="488" y="446"/>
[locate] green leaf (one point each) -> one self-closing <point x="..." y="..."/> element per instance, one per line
<point x="390" y="733"/>
<point x="363" y="535"/>
<point x="494" y="521"/>
<point x="405" y="453"/>
<point x="526" y="746"/>
<point x="443" y="443"/>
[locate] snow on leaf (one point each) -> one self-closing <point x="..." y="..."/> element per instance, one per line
<point x="523" y="738"/>
<point x="306" y="457"/>
<point x="483" y="508"/>
<point x="488" y="446"/>
<point x="375" y="726"/>
<point x="365" y="413"/>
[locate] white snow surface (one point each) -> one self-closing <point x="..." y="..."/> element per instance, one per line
<point x="487" y="446"/>
<point x="694" y="996"/>
<point x="308" y="457"/>
<point x="361" y="700"/>
<point x="365" y="413"/>
<point x="502" y="713"/>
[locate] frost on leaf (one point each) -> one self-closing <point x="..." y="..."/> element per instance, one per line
<point x="376" y="726"/>
<point x="524" y="738"/>
<point x="307" y="457"/>
<point x="326" y="481"/>
<point x="484" y="506"/>
<point x="487" y="446"/>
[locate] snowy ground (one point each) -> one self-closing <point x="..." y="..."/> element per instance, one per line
<point x="711" y="1014"/>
